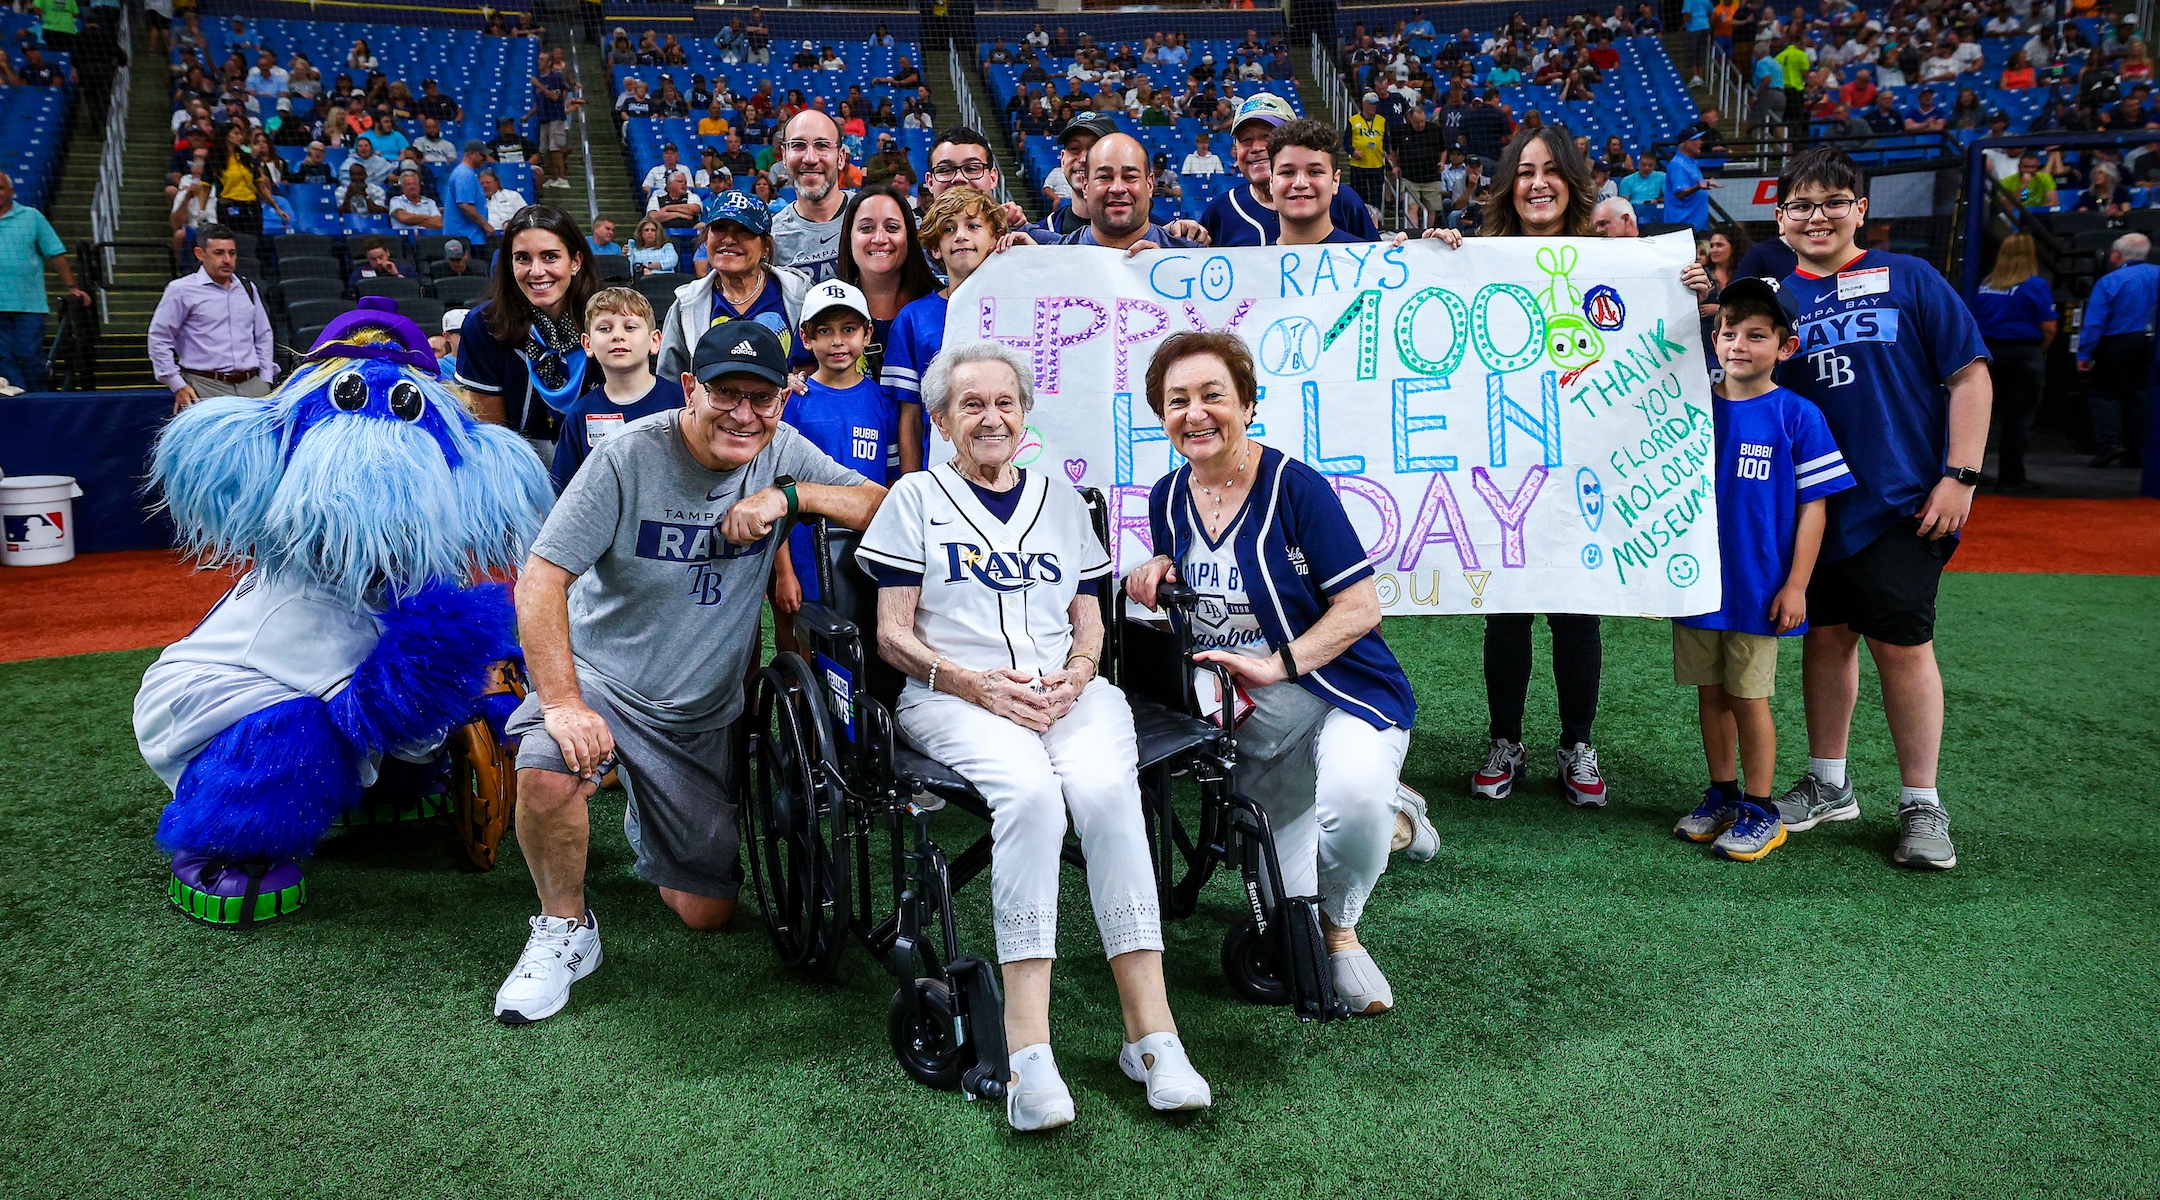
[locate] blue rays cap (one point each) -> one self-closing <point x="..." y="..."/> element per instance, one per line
<point x="739" y="208"/>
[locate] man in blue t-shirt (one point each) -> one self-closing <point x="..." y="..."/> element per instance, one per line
<point x="1776" y="467"/>
<point x="1686" y="199"/>
<point x="1892" y="357"/>
<point x="464" y="204"/>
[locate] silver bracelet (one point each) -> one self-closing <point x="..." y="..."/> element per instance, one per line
<point x="934" y="663"/>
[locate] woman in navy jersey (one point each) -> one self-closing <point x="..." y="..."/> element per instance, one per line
<point x="2016" y="311"/>
<point x="881" y="253"/>
<point x="521" y="357"/>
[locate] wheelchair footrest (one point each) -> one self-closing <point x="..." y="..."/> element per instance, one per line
<point x="1303" y="959"/>
<point x="983" y="1014"/>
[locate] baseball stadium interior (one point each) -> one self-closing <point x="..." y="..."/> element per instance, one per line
<point x="1579" y="1006"/>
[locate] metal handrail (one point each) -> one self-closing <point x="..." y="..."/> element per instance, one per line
<point x="102" y="252"/>
<point x="956" y="65"/>
<point x="1332" y="90"/>
<point x="105" y="199"/>
<point x="1729" y="88"/>
<point x="592" y="185"/>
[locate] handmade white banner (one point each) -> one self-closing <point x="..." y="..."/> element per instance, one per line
<point x="1520" y="425"/>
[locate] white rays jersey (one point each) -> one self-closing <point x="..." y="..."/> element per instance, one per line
<point x="263" y="643"/>
<point x="995" y="594"/>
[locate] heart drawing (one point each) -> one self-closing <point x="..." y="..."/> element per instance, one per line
<point x="1076" y="469"/>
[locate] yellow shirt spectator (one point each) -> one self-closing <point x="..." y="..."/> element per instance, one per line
<point x="1368" y="140"/>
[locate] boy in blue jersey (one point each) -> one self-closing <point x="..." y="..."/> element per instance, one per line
<point x="1892" y="357"/>
<point x="1305" y="181"/>
<point x="1776" y="467"/>
<point x="621" y="336"/>
<point x="960" y="232"/>
<point x="842" y="412"/>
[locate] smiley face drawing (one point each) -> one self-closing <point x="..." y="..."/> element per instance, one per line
<point x="1215" y="278"/>
<point x="1590" y="497"/>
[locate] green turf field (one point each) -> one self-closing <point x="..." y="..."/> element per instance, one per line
<point x="1587" y="1008"/>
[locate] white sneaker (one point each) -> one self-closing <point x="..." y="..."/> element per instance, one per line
<point x="1580" y="780"/>
<point x="1158" y="1060"/>
<point x="1359" y="983"/>
<point x="1424" y="839"/>
<point x="557" y="183"/>
<point x="1037" y="1097"/>
<point x="560" y="952"/>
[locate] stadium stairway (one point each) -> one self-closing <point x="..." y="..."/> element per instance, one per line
<point x="139" y="275"/>
<point x="937" y="73"/>
<point x="617" y="192"/>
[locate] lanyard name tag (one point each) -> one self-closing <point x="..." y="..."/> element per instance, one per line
<point x="599" y="425"/>
<point x="1874" y="281"/>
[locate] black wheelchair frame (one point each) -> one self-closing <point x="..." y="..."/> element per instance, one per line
<point x="829" y="784"/>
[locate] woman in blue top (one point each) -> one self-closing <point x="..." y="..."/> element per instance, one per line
<point x="1288" y="605"/>
<point x="522" y="357"/>
<point x="2016" y="311"/>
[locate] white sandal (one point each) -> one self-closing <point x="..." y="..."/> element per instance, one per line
<point x="1036" y="1098"/>
<point x="1158" y="1060"/>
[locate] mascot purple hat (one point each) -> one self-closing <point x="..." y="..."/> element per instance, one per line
<point x="371" y="505"/>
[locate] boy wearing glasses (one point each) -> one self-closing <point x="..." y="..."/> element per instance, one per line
<point x="638" y="613"/>
<point x="1893" y="358"/>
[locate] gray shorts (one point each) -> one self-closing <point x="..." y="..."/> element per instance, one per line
<point x="554" y="136"/>
<point x="681" y="816"/>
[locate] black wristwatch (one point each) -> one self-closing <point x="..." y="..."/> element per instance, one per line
<point x="786" y="484"/>
<point x="1964" y="475"/>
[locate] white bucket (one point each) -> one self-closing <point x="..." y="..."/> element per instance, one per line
<point x="38" y="512"/>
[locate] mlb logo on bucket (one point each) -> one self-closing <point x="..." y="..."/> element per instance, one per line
<point x="35" y="531"/>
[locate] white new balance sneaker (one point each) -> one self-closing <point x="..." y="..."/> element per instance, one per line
<point x="1037" y="1097"/>
<point x="559" y="952"/>
<point x="1158" y="1061"/>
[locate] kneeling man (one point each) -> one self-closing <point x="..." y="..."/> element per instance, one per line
<point x="638" y="611"/>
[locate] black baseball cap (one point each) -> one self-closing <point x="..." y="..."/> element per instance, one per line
<point x="740" y="348"/>
<point x="1767" y="291"/>
<point x="1101" y="124"/>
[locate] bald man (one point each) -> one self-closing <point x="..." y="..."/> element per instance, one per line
<point x="1117" y="180"/>
<point x="806" y="233"/>
<point x="1614" y="218"/>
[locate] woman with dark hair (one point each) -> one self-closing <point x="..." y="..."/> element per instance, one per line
<point x="881" y="252"/>
<point x="240" y="180"/>
<point x="522" y="357"/>
<point x="1721" y="255"/>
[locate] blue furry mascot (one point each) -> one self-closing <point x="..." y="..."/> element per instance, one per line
<point x="369" y="502"/>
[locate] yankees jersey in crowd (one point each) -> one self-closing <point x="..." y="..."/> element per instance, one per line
<point x="664" y="613"/>
<point x="1878" y="341"/>
<point x="918" y="333"/>
<point x="228" y="667"/>
<point x="855" y="427"/>
<point x="1237" y="218"/>
<point x="995" y="593"/>
<point x="1774" y="454"/>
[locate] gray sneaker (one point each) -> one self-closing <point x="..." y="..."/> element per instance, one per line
<point x="1810" y="802"/>
<point x="1924" y="838"/>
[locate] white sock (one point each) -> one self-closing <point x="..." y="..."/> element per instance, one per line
<point x="1913" y="795"/>
<point x="1829" y="770"/>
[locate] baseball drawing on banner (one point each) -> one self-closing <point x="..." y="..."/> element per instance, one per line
<point x="1518" y="425"/>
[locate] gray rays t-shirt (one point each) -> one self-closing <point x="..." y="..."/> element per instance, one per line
<point x="812" y="247"/>
<point x="664" y="613"/>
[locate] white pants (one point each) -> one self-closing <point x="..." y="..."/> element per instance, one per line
<point x="1329" y="792"/>
<point x="1088" y="762"/>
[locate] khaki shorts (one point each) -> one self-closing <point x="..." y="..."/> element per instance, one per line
<point x="1744" y="664"/>
<point x="554" y="136"/>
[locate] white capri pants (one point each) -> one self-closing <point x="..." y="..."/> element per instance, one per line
<point x="1088" y="763"/>
<point x="1327" y="781"/>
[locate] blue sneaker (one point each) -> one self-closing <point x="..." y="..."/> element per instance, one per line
<point x="1753" y="836"/>
<point x="1709" y="819"/>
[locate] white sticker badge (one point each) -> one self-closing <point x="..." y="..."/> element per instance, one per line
<point x="1874" y="281"/>
<point x="599" y="425"/>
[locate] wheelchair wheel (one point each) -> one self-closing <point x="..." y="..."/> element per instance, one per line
<point x="923" y="1040"/>
<point x="1248" y="961"/>
<point x="790" y="866"/>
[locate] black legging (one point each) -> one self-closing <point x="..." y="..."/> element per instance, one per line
<point x="2020" y="373"/>
<point x="1578" y="660"/>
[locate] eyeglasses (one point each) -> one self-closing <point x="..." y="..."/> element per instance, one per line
<point x="799" y="146"/>
<point x="727" y="398"/>
<point x="1802" y="210"/>
<point x="974" y="168"/>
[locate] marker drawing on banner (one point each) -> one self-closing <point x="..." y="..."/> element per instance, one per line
<point x="1518" y="425"/>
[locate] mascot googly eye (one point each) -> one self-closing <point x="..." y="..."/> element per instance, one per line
<point x="371" y="508"/>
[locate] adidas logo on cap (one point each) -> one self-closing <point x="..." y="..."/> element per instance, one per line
<point x="743" y="347"/>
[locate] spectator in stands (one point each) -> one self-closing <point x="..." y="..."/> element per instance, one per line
<point x="670" y="103"/>
<point x="620" y="52"/>
<point x="904" y="76"/>
<point x="314" y="167"/>
<point x="359" y="195"/>
<point x="210" y="335"/>
<point x="459" y="262"/>
<point x="676" y="207"/>
<point x="390" y="144"/>
<point x="1485" y="126"/>
<point x="376" y="263"/>
<point x="464" y="203"/>
<point x="2016" y="311"/>
<point x="2031" y="187"/>
<point x="1414" y="154"/>
<point x="742" y="284"/>
<point x="602" y="241"/>
<point x="1202" y="160"/>
<point x="739" y="162"/>
<point x="411" y="210"/>
<point x="360" y="60"/>
<point x="27" y="246"/>
<point x="374" y="166"/>
<point x="1686" y="198"/>
<point x="2018" y="76"/>
<point x="1926" y="115"/>
<point x="1884" y="120"/>
<point x="550" y="111"/>
<point x="432" y="104"/>
<point x="2114" y="351"/>
<point x="2136" y="64"/>
<point x="652" y="251"/>
<point x="1844" y="123"/>
<point x="670" y="166"/>
<point x="502" y="203"/>
<point x="511" y="147"/>
<point x="712" y="176"/>
<point x="1966" y="111"/>
<point x="2104" y="194"/>
<point x="435" y="149"/>
<point x="1647" y="184"/>
<point x="269" y="82"/>
<point x="635" y="103"/>
<point x="1859" y="94"/>
<point x="806" y="233"/>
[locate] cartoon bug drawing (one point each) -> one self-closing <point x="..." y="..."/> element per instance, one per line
<point x="1572" y="342"/>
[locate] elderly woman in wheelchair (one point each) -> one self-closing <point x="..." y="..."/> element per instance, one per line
<point x="1287" y="604"/>
<point x="987" y="579"/>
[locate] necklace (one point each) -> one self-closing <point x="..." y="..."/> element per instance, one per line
<point x="1216" y="496"/>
